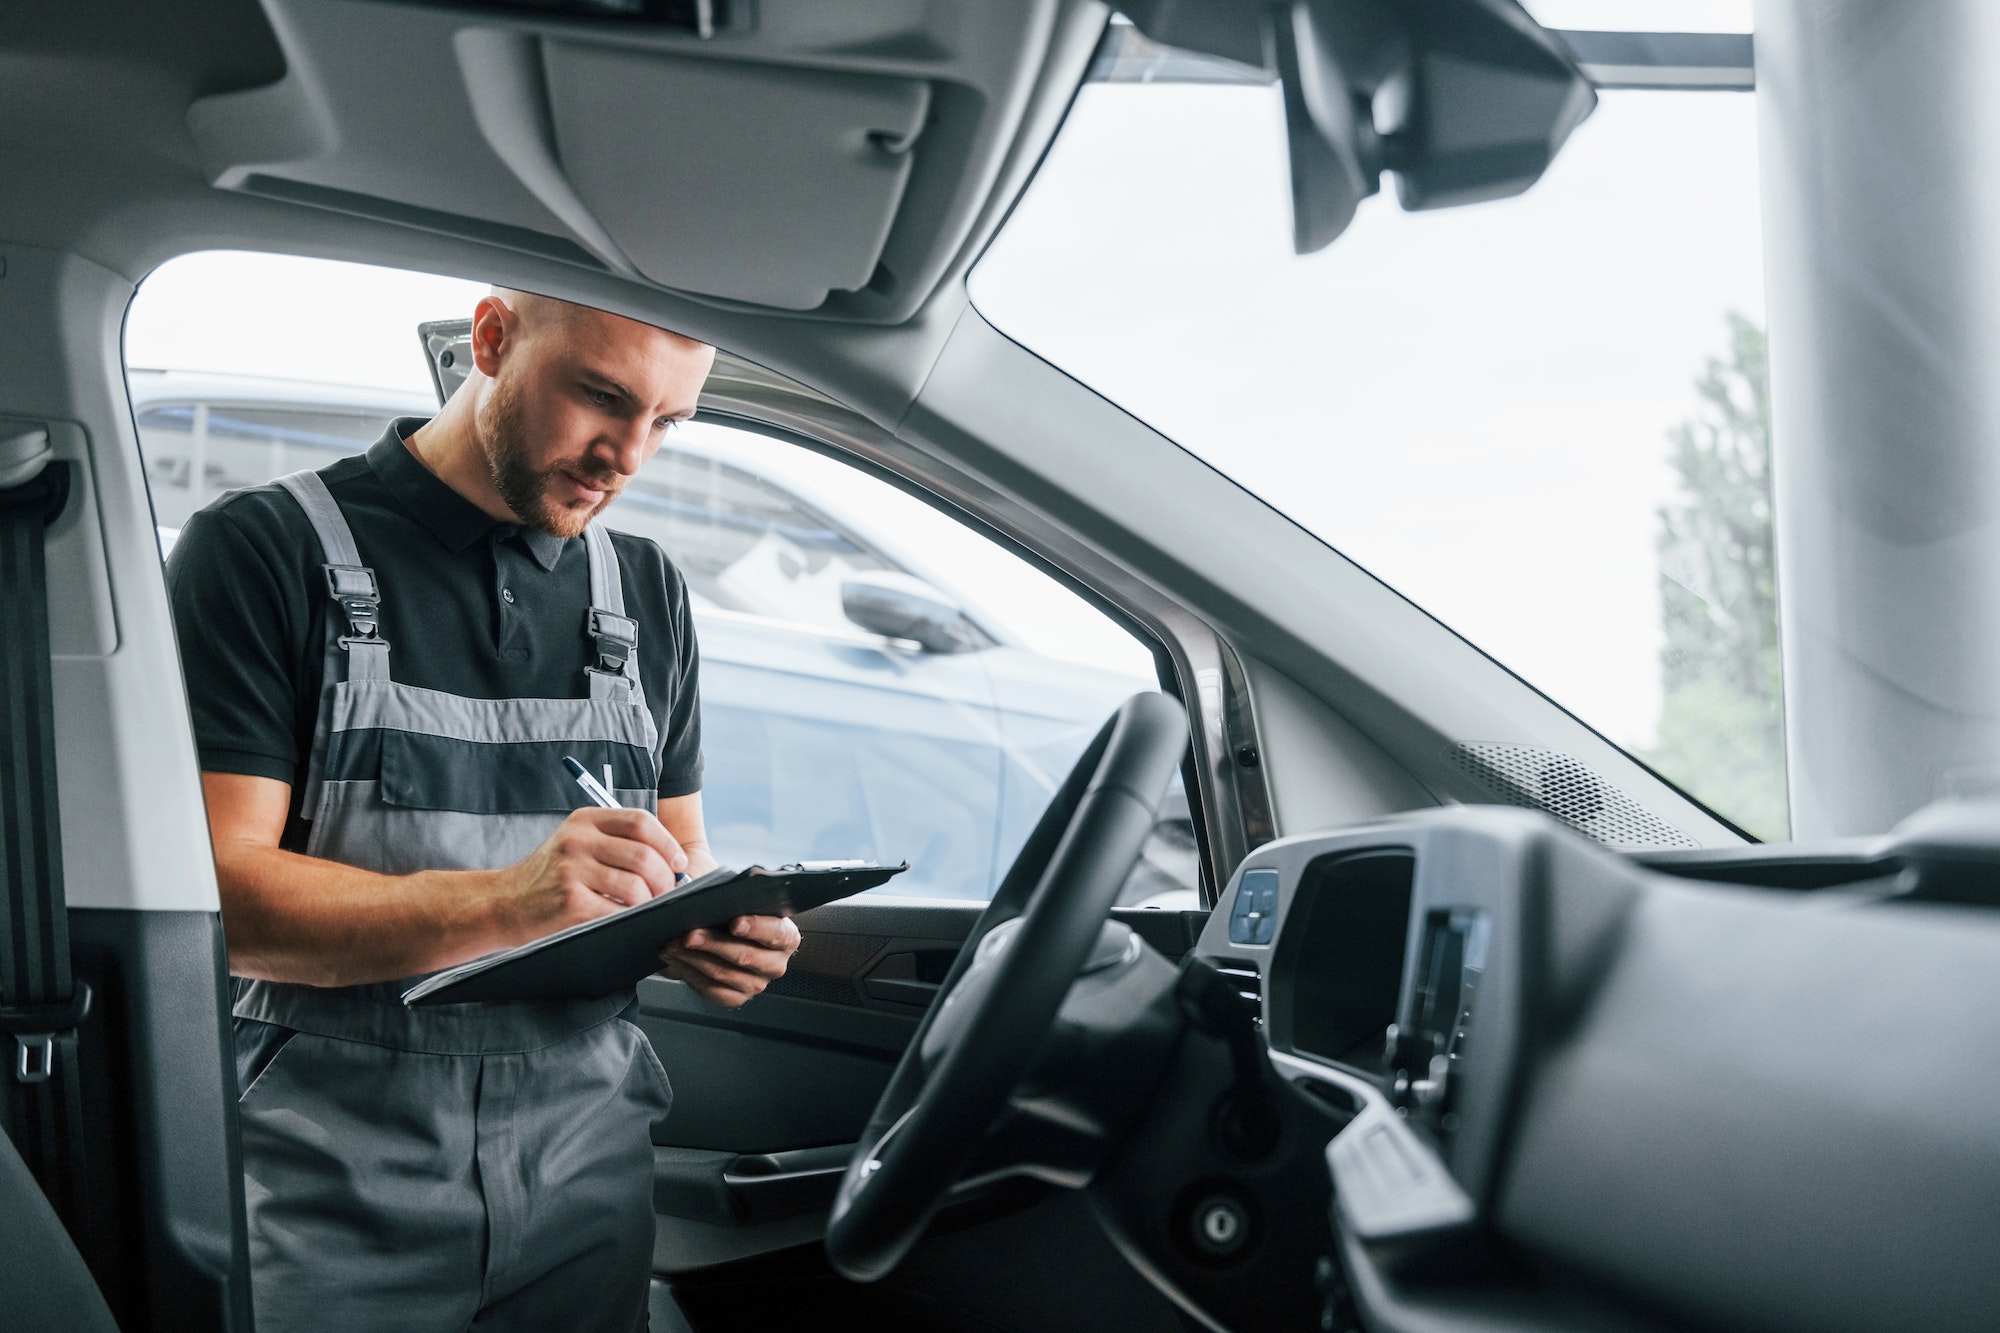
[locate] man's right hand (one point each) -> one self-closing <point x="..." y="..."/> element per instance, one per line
<point x="596" y="862"/>
<point x="296" y="918"/>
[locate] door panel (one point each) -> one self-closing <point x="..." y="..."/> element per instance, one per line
<point x="802" y="1065"/>
<point x="758" y="1089"/>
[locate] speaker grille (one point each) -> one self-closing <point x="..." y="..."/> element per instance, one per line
<point x="825" y="968"/>
<point x="1551" y="781"/>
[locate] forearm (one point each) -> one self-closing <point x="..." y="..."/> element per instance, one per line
<point x="296" y="918"/>
<point x="288" y="917"/>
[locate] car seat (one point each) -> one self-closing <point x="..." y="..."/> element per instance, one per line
<point x="44" y="1286"/>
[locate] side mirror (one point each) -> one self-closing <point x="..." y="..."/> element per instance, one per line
<point x="898" y="606"/>
<point x="448" y="351"/>
<point x="1464" y="100"/>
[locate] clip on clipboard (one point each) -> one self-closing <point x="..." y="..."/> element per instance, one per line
<point x="613" y="953"/>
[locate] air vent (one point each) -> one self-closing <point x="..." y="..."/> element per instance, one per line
<point x="1551" y="781"/>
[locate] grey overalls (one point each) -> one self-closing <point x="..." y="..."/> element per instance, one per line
<point x="464" y="1166"/>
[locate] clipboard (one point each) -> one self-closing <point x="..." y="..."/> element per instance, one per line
<point x="613" y="953"/>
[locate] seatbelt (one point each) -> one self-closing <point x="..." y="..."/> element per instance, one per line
<point x="41" y="1004"/>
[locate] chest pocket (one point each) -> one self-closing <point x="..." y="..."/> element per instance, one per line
<point x="425" y="772"/>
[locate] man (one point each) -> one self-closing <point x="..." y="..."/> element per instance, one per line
<point x="387" y="661"/>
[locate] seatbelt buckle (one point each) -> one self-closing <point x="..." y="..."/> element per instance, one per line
<point x="616" y="636"/>
<point x="35" y="1028"/>
<point x="354" y="590"/>
<point x="37" y="1056"/>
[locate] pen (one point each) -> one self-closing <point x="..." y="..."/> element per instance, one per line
<point x="598" y="796"/>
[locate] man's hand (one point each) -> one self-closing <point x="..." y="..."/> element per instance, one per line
<point x="299" y="919"/>
<point x="732" y="969"/>
<point x="596" y="862"/>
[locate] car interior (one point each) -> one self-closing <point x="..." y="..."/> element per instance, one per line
<point x="1479" y="1019"/>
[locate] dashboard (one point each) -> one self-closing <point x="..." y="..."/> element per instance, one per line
<point x="1636" y="1090"/>
<point x="1370" y="951"/>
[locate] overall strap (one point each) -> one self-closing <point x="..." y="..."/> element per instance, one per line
<point x="615" y="672"/>
<point x="350" y="584"/>
<point x="352" y="588"/>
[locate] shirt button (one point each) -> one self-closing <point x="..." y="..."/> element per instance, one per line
<point x="507" y="596"/>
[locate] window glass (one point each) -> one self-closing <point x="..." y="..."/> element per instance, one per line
<point x="823" y="733"/>
<point x="830" y="729"/>
<point x="1643" y="15"/>
<point x="744" y="543"/>
<point x="231" y="445"/>
<point x="1541" y="419"/>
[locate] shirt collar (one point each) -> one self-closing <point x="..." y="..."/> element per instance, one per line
<point x="449" y="516"/>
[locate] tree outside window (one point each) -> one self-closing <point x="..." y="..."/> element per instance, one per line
<point x="1721" y="731"/>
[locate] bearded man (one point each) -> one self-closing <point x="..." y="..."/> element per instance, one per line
<point x="387" y="661"/>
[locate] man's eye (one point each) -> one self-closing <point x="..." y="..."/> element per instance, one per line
<point x="598" y="397"/>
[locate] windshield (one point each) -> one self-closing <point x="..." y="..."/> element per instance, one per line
<point x="1541" y="419"/>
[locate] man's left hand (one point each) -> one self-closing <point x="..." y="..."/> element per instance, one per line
<point x="732" y="968"/>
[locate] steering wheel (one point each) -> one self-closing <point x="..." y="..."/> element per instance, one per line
<point x="1054" y="900"/>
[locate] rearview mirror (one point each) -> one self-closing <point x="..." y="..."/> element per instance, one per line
<point x="1464" y="100"/>
<point x="899" y="606"/>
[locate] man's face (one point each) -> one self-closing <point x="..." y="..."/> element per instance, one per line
<point x="579" y="401"/>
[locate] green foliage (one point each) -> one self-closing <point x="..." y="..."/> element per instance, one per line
<point x="1721" y="723"/>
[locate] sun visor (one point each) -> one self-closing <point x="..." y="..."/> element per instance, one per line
<point x="756" y="180"/>
<point x="735" y="180"/>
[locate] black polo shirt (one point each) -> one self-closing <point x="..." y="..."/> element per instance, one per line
<point x="470" y="606"/>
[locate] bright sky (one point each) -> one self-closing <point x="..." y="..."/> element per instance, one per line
<point x="1472" y="403"/>
<point x="286" y="318"/>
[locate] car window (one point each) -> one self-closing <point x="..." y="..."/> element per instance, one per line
<point x="744" y="541"/>
<point x="196" y="450"/>
<point x="1541" y="419"/>
<point x="825" y="730"/>
<point x="878" y="679"/>
<point x="744" y="544"/>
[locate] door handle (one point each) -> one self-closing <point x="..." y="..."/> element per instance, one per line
<point x="778" y="1184"/>
<point x="909" y="978"/>
<point x="737" y="1189"/>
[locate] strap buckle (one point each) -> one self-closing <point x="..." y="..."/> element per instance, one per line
<point x="354" y="590"/>
<point x="616" y="637"/>
<point x="35" y="1028"/>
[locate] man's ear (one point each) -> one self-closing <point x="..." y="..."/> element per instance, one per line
<point x="494" y="327"/>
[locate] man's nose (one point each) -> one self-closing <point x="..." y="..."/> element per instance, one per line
<point x="624" y="450"/>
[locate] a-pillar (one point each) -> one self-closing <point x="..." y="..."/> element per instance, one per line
<point x="1880" y="141"/>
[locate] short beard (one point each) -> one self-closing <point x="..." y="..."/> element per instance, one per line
<point x="502" y="438"/>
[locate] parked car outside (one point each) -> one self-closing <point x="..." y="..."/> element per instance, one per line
<point x="858" y="699"/>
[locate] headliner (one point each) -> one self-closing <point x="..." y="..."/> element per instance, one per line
<point x="131" y="132"/>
